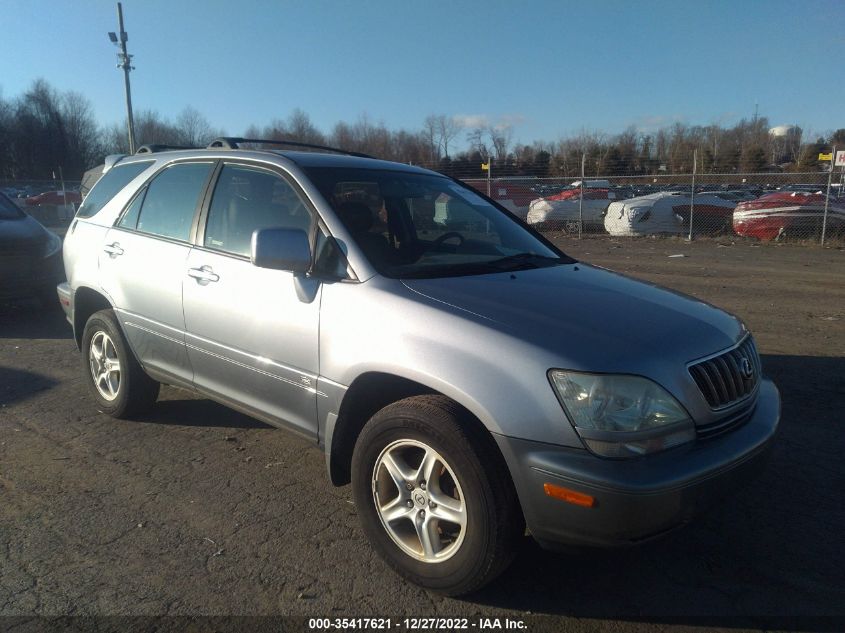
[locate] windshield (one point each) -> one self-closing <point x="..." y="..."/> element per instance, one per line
<point x="418" y="225"/>
<point x="9" y="210"/>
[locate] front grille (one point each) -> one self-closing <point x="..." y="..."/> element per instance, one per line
<point x="730" y="376"/>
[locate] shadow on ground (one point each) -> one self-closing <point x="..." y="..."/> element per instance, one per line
<point x="769" y="554"/>
<point x="30" y="320"/>
<point x="18" y="384"/>
<point x="200" y="413"/>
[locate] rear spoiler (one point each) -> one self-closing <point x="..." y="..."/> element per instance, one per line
<point x="111" y="160"/>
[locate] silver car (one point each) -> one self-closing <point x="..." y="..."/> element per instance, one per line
<point x="464" y="375"/>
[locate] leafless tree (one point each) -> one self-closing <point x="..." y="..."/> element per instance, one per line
<point x="475" y="139"/>
<point x="447" y="129"/>
<point x="500" y="138"/>
<point x="83" y="136"/>
<point x="430" y="135"/>
<point x="194" y="129"/>
<point x="300" y="128"/>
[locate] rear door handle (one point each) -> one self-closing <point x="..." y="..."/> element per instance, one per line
<point x="113" y="249"/>
<point x="203" y="275"/>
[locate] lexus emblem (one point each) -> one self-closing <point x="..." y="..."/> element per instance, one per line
<point x="746" y="369"/>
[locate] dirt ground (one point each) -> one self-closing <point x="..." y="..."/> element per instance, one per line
<point x="200" y="511"/>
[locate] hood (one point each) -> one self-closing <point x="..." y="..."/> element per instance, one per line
<point x="22" y="236"/>
<point x="593" y="319"/>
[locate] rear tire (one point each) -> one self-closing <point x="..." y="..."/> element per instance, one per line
<point x="434" y="495"/>
<point x="114" y="377"/>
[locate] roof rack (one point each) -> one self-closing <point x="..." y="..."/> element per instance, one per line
<point x="229" y="142"/>
<point x="153" y="148"/>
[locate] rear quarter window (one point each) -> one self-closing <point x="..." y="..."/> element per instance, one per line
<point x="109" y="186"/>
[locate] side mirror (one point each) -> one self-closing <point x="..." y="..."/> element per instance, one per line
<point x="281" y="249"/>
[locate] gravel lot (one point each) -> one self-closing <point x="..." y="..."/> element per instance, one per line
<point x="198" y="510"/>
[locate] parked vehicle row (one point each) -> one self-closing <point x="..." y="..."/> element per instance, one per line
<point x="793" y="210"/>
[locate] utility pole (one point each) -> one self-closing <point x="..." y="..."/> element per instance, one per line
<point x="124" y="59"/>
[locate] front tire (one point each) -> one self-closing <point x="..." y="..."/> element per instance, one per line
<point x="434" y="496"/>
<point x="114" y="376"/>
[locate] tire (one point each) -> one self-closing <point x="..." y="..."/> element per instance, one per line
<point x="469" y="481"/>
<point x="123" y="390"/>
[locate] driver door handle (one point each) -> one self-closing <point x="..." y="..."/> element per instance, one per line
<point x="203" y="274"/>
<point x="113" y="249"/>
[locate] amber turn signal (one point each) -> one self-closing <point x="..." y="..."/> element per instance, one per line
<point x="570" y="496"/>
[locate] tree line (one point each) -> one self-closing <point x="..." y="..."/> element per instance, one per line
<point x="44" y="129"/>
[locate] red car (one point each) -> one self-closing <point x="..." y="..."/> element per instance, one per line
<point x="54" y="197"/>
<point x="787" y="212"/>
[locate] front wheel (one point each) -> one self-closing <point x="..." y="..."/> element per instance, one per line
<point x="115" y="378"/>
<point x="434" y="496"/>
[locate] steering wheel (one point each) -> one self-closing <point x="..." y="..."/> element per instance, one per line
<point x="448" y="236"/>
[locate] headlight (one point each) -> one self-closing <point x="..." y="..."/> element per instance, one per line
<point x="52" y="246"/>
<point x="622" y="416"/>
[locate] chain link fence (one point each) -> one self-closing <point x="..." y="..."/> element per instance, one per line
<point x="805" y="207"/>
<point x="45" y="200"/>
<point x="765" y="206"/>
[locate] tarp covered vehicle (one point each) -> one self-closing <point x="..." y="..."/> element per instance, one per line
<point x="668" y="212"/>
<point x="788" y="212"/>
<point x="565" y="209"/>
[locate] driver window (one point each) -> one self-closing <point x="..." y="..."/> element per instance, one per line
<point x="246" y="199"/>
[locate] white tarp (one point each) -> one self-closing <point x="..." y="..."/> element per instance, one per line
<point x="666" y="212"/>
<point x="558" y="211"/>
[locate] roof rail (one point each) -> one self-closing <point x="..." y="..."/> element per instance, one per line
<point x="229" y="142"/>
<point x="152" y="148"/>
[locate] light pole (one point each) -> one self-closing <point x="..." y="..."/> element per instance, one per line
<point x="125" y="62"/>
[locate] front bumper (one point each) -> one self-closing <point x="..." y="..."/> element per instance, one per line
<point x="66" y="300"/>
<point x="642" y="498"/>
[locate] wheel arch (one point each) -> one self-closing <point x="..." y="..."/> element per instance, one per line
<point x="86" y="301"/>
<point x="369" y="393"/>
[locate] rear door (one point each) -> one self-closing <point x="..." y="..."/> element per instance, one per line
<point x="252" y="332"/>
<point x="143" y="260"/>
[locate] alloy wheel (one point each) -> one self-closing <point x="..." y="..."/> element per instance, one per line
<point x="419" y="501"/>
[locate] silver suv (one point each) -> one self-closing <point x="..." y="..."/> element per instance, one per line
<point x="467" y="377"/>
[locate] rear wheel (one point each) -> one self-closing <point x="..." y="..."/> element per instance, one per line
<point x="114" y="376"/>
<point x="434" y="496"/>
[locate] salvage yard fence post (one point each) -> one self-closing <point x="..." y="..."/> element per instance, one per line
<point x="692" y="192"/>
<point x="581" y="198"/>
<point x="827" y="193"/>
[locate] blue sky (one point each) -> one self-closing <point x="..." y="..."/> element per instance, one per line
<point x="548" y="68"/>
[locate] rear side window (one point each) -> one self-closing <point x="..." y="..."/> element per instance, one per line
<point x="108" y="186"/>
<point x="171" y="200"/>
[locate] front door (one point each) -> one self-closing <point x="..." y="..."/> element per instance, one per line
<point x="251" y="337"/>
